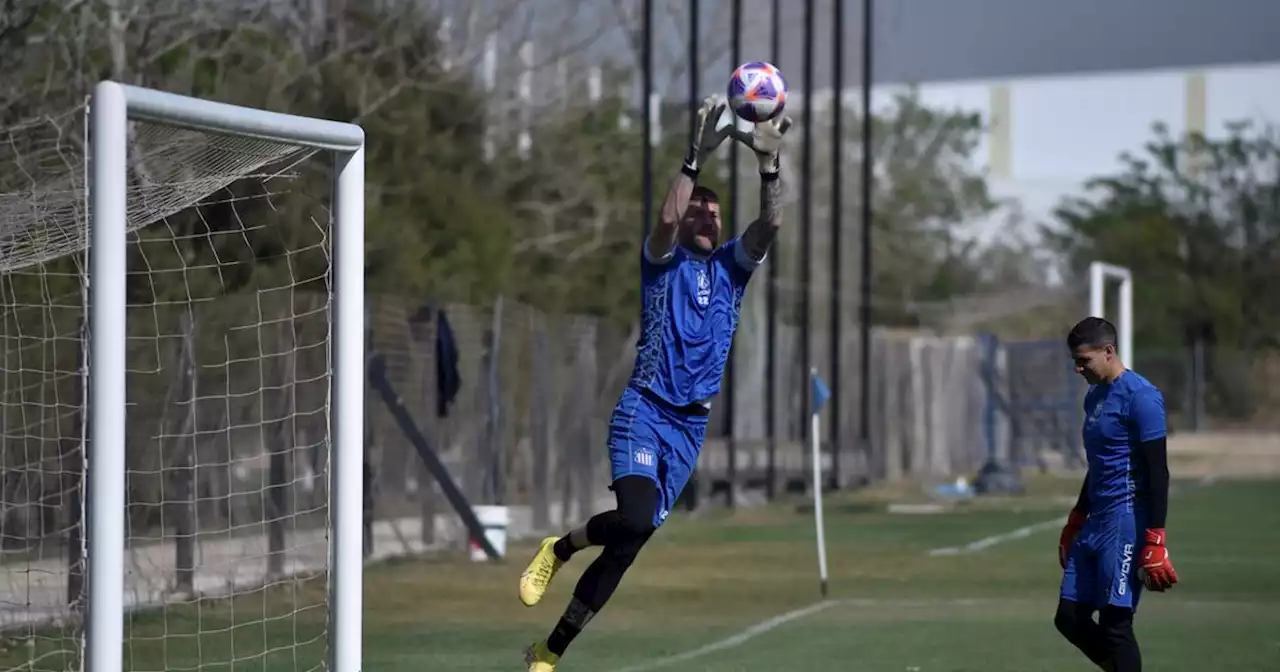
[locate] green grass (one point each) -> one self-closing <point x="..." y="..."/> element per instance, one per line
<point x="700" y="580"/>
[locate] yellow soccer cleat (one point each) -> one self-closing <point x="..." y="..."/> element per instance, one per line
<point x="539" y="658"/>
<point x="537" y="576"/>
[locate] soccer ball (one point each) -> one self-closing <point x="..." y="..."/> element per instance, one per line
<point x="757" y="91"/>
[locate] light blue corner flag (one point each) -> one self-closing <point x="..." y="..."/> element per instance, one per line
<point x="820" y="392"/>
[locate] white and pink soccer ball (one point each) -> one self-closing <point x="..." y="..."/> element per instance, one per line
<point x="757" y="91"/>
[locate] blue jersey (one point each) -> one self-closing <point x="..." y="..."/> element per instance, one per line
<point x="689" y="314"/>
<point x="1119" y="416"/>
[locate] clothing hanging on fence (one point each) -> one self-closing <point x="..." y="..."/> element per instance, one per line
<point x="448" y="379"/>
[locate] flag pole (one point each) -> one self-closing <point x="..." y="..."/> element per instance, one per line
<point x="819" y="397"/>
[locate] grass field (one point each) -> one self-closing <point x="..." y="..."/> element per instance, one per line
<point x="894" y="606"/>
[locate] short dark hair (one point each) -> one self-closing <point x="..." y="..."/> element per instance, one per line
<point x="1093" y="332"/>
<point x="701" y="193"/>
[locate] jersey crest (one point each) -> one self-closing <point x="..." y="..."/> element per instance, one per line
<point x="690" y="311"/>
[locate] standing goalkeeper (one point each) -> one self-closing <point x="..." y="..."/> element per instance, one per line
<point x="691" y="293"/>
<point x="1114" y="542"/>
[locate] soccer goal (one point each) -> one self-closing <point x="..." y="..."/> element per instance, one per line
<point x="181" y="387"/>
<point x="1099" y="275"/>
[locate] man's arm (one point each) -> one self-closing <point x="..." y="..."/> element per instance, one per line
<point x="760" y="234"/>
<point x="1147" y="417"/>
<point x="1082" y="502"/>
<point x="766" y="141"/>
<point x="1155" y="455"/>
<point x="1075" y="522"/>
<point x="662" y="238"/>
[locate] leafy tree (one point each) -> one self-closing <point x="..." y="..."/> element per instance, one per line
<point x="926" y="189"/>
<point x="1197" y="219"/>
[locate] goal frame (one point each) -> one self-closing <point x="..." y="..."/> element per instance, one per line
<point x="1099" y="274"/>
<point x="112" y="106"/>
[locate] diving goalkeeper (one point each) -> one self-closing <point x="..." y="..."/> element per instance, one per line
<point x="691" y="293"/>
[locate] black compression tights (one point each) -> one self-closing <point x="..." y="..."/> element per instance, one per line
<point x="1109" y="642"/>
<point x="623" y="532"/>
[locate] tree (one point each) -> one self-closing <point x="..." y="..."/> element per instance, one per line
<point x="1197" y="219"/>
<point x="926" y="190"/>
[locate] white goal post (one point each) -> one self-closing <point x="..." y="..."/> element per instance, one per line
<point x="112" y="107"/>
<point x="1099" y="274"/>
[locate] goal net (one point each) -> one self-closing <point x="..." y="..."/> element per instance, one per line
<point x="211" y="402"/>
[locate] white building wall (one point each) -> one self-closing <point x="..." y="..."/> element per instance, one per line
<point x="1050" y="134"/>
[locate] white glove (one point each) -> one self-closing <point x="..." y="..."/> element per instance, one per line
<point x="705" y="136"/>
<point x="766" y="141"/>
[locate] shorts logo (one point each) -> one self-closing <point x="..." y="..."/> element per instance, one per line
<point x="644" y="458"/>
<point x="1126" y="560"/>
<point x="662" y="515"/>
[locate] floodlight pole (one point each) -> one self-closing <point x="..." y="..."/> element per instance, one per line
<point x="1099" y="273"/>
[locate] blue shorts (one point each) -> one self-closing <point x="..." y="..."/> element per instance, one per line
<point x="1102" y="565"/>
<point x="649" y="438"/>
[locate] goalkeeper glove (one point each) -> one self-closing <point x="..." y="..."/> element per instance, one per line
<point x="705" y="135"/>
<point x="1157" y="571"/>
<point x="1075" y="522"/>
<point x="766" y="141"/>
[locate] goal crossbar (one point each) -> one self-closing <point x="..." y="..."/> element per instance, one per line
<point x="111" y="108"/>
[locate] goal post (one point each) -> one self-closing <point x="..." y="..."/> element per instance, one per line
<point x="1099" y="275"/>
<point x="111" y="109"/>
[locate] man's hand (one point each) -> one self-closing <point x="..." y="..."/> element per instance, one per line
<point x="1156" y="570"/>
<point x="706" y="138"/>
<point x="1075" y="522"/>
<point x="766" y="141"/>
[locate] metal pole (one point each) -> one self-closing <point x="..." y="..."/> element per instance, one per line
<point x="735" y="48"/>
<point x="108" y="272"/>
<point x="837" y="226"/>
<point x="806" y="204"/>
<point x="771" y="307"/>
<point x="694" y="485"/>
<point x="646" y="87"/>
<point x="864" y="307"/>
<point x="347" y="389"/>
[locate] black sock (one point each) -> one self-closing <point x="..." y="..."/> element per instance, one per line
<point x="563" y="548"/>
<point x="575" y="618"/>
<point x="1116" y="624"/>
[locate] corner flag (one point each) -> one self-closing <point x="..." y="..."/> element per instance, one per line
<point x="820" y="392"/>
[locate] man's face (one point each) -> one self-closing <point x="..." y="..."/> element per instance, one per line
<point x="1094" y="363"/>
<point x="700" y="229"/>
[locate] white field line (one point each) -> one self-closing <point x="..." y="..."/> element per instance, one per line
<point x="1028" y="530"/>
<point x="733" y="640"/>
<point x="987" y="542"/>
<point x="762" y="627"/>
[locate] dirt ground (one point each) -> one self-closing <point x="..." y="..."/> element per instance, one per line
<point x="1234" y="454"/>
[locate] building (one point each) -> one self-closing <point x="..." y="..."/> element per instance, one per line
<point x="1065" y="87"/>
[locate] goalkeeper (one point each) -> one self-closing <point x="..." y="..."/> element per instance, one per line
<point x="691" y="292"/>
<point x="1114" y="542"/>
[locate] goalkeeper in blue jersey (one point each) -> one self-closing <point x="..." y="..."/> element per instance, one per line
<point x="691" y="293"/>
<point x="1113" y="544"/>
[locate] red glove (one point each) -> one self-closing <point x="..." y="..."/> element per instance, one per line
<point x="1075" y="522"/>
<point x="1156" y="571"/>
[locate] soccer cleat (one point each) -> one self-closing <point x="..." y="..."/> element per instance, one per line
<point x="537" y="576"/>
<point x="539" y="658"/>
